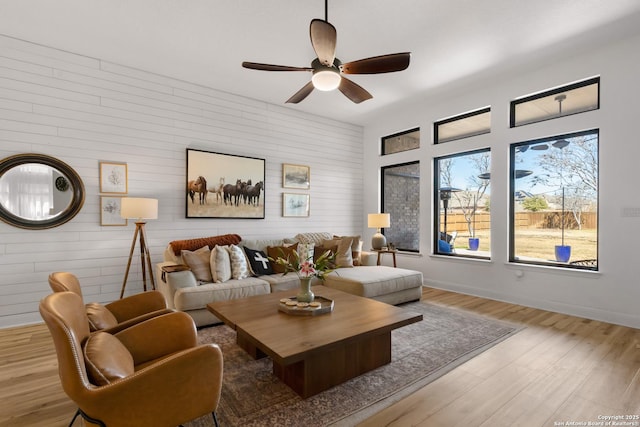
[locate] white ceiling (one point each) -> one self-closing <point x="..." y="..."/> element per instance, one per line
<point x="452" y="42"/>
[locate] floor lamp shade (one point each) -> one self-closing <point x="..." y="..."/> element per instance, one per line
<point x="139" y="208"/>
<point x="378" y="221"/>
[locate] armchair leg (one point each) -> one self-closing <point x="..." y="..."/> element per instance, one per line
<point x="86" y="417"/>
<point x="73" y="420"/>
<point x="215" y="420"/>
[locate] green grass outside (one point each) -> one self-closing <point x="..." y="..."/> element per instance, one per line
<point x="540" y="243"/>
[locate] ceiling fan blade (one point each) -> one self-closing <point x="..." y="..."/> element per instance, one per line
<point x="301" y="94"/>
<point x="353" y="91"/>
<point x="323" y="40"/>
<point x="270" y="67"/>
<point x="378" y="64"/>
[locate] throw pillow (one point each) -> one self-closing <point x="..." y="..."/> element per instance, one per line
<point x="198" y="261"/>
<point x="220" y="264"/>
<point x="315" y="238"/>
<point x="239" y="269"/>
<point x="344" y="259"/>
<point x="107" y="359"/>
<point x="285" y="252"/>
<point x="259" y="262"/>
<point x="305" y="250"/>
<point x="319" y="250"/>
<point x="99" y="317"/>
<point x="356" y="247"/>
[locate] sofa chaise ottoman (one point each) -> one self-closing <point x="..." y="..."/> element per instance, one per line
<point x="386" y="284"/>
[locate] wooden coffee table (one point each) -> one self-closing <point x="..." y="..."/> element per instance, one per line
<point x="314" y="353"/>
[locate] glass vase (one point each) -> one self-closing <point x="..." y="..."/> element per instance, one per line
<point x="305" y="294"/>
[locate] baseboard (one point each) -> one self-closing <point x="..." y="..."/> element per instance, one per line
<point x="623" y="319"/>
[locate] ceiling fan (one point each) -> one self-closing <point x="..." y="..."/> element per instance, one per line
<point x="328" y="70"/>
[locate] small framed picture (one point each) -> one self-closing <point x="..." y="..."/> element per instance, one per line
<point x="113" y="178"/>
<point x="296" y="176"/>
<point x="296" y="205"/>
<point x="110" y="211"/>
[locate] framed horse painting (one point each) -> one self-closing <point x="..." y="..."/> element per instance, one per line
<point x="224" y="185"/>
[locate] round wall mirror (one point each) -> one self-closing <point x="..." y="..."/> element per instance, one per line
<point x="38" y="191"/>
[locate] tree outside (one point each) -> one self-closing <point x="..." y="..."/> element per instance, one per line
<point x="535" y="204"/>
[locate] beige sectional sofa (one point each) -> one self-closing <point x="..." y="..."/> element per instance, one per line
<point x="218" y="279"/>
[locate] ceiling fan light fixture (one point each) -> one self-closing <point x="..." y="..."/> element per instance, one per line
<point x="326" y="80"/>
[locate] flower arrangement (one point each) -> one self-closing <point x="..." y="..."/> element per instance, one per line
<point x="307" y="268"/>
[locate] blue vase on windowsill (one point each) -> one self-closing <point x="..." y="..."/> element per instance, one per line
<point x="474" y="243"/>
<point x="563" y="253"/>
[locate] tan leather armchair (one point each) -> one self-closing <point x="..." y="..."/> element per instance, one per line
<point x="117" y="315"/>
<point x="150" y="374"/>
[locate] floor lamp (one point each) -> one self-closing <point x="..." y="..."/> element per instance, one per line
<point x="139" y="209"/>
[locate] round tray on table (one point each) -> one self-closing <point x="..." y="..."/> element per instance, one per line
<point x="320" y="305"/>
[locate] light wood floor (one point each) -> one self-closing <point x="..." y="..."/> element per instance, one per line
<point x="558" y="369"/>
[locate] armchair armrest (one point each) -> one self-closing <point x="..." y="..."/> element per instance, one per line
<point x="128" y="323"/>
<point x="186" y="385"/>
<point x="157" y="337"/>
<point x="136" y="305"/>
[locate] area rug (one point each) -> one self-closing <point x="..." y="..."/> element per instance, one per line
<point x="421" y="353"/>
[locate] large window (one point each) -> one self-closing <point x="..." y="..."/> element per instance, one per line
<point x="401" y="199"/>
<point x="462" y="204"/>
<point x="554" y="201"/>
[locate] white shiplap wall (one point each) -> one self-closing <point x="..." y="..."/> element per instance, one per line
<point x="83" y="110"/>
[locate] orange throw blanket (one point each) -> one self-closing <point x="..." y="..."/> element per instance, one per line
<point x="193" y="244"/>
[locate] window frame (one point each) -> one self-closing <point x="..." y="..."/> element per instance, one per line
<point x="556" y="91"/>
<point x="436" y="205"/>
<point x="511" y="220"/>
<point x="382" y="200"/>
<point x="459" y="117"/>
<point x="383" y="140"/>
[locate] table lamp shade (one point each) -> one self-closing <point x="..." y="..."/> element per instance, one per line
<point x="381" y="220"/>
<point x="139" y="208"/>
<point x="378" y="221"/>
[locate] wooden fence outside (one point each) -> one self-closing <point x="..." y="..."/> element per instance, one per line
<point x="547" y="219"/>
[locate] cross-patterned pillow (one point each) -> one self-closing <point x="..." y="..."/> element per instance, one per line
<point x="259" y="262"/>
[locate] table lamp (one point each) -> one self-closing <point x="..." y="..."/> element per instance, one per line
<point x="139" y="209"/>
<point x="379" y="221"/>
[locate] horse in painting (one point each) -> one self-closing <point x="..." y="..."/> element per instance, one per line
<point x="198" y="185"/>
<point x="218" y="190"/>
<point x="232" y="191"/>
<point x="253" y="193"/>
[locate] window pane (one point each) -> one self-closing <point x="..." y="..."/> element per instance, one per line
<point x="554" y="201"/>
<point x="463" y="126"/>
<point x="401" y="199"/>
<point x="463" y="217"/>
<point x="403" y="141"/>
<point x="571" y="99"/>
